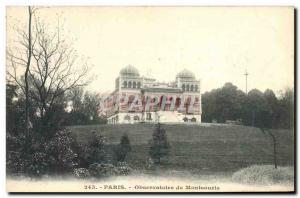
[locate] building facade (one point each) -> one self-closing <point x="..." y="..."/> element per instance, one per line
<point x="142" y="99"/>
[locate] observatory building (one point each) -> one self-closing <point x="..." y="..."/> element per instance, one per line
<point x="138" y="98"/>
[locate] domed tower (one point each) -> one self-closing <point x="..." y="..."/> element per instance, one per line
<point x="186" y="75"/>
<point x="187" y="81"/>
<point x="190" y="87"/>
<point x="129" y="71"/>
<point x="129" y="78"/>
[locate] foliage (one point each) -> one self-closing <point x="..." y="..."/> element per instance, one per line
<point x="35" y="156"/>
<point x="81" y="173"/>
<point x="95" y="151"/>
<point x="159" y="145"/>
<point x="254" y="109"/>
<point x="85" y="108"/>
<point x="264" y="174"/>
<point x="122" y="149"/>
<point x="123" y="168"/>
<point x="60" y="156"/>
<point x="105" y="170"/>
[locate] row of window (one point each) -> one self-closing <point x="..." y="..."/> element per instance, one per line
<point x="148" y="117"/>
<point x="137" y="118"/>
<point x="185" y="119"/>
<point x="189" y="87"/>
<point x="131" y="84"/>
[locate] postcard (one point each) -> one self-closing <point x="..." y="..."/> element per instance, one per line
<point x="150" y="99"/>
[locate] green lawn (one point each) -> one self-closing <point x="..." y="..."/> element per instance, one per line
<point x="200" y="147"/>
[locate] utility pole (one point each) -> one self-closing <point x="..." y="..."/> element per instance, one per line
<point x="246" y="78"/>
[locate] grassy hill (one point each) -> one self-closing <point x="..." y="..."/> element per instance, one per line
<point x="200" y="147"/>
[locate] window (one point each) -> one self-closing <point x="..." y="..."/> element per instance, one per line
<point x="193" y="120"/>
<point x="192" y="87"/>
<point x="129" y="84"/>
<point x="148" y="117"/>
<point x="185" y="119"/>
<point x="196" y="87"/>
<point x="136" y="118"/>
<point x="127" y="117"/>
<point x="188" y="87"/>
<point x="134" y="84"/>
<point x="139" y="85"/>
<point x="125" y="84"/>
<point x="183" y="87"/>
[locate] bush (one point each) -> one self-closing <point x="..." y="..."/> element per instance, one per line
<point x="81" y="173"/>
<point x="106" y="170"/>
<point x="95" y="151"/>
<point x="34" y="156"/>
<point x="60" y="156"/>
<point x="102" y="170"/>
<point x="122" y="149"/>
<point x="266" y="174"/>
<point x="158" y="146"/>
<point x="123" y="168"/>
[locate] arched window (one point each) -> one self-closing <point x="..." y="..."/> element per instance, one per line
<point x="125" y="84"/>
<point x="127" y="117"/>
<point x="196" y="87"/>
<point x="192" y="87"/>
<point x="136" y="118"/>
<point x="134" y="84"/>
<point x="129" y="84"/>
<point x="193" y="120"/>
<point x="139" y="85"/>
<point x="185" y="119"/>
<point x="177" y="103"/>
<point x="188" y="87"/>
<point x="183" y="87"/>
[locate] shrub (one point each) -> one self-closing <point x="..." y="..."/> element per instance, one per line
<point x="95" y="150"/>
<point x="123" y="168"/>
<point x="106" y="170"/>
<point x="34" y="156"/>
<point x="60" y="156"/>
<point x="122" y="149"/>
<point x="102" y="170"/>
<point x="159" y="145"/>
<point x="265" y="174"/>
<point x="81" y="173"/>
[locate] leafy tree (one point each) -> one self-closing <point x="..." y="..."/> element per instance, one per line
<point x="123" y="148"/>
<point x="223" y="104"/>
<point x="95" y="151"/>
<point x="85" y="108"/>
<point x="286" y="109"/>
<point x="159" y="145"/>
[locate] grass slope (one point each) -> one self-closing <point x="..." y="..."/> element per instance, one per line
<point x="200" y="147"/>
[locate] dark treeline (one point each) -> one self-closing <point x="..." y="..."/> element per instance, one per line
<point x="259" y="109"/>
<point x="73" y="108"/>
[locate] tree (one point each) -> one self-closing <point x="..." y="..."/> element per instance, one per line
<point x="53" y="72"/>
<point x="23" y="60"/>
<point x="85" y="108"/>
<point x="95" y="151"/>
<point x="286" y="109"/>
<point x="159" y="145"/>
<point x="223" y="104"/>
<point x="123" y="148"/>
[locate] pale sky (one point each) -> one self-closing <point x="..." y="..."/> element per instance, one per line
<point x="217" y="43"/>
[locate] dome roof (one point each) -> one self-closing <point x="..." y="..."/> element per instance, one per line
<point x="186" y="74"/>
<point x="129" y="71"/>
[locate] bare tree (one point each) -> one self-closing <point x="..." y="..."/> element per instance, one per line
<point x="274" y="141"/>
<point x="26" y="43"/>
<point x="54" y="69"/>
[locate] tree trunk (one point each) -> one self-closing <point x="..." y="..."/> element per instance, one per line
<point x="274" y="150"/>
<point x="27" y="72"/>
